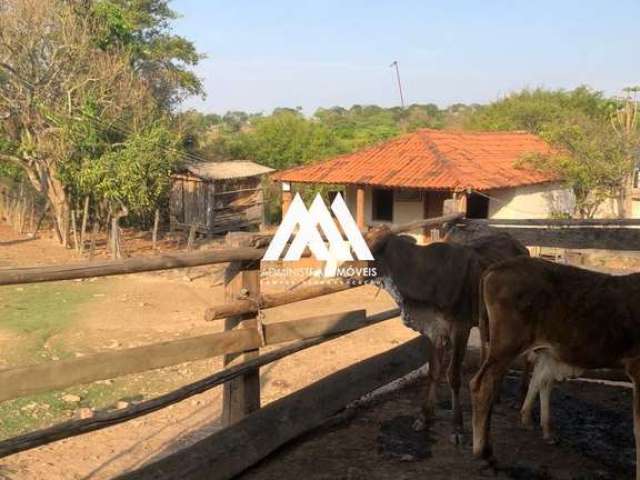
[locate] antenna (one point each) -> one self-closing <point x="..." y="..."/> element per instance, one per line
<point x="395" y="64"/>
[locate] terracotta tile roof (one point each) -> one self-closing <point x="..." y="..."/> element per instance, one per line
<point x="432" y="159"/>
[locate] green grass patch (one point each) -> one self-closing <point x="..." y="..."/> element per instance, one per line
<point x="36" y="312"/>
<point x="38" y="411"/>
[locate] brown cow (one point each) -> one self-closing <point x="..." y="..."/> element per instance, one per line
<point x="437" y="289"/>
<point x="573" y="318"/>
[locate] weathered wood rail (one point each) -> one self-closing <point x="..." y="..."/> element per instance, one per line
<point x="106" y="419"/>
<point x="251" y="428"/>
<point x="606" y="234"/>
<point x="52" y="273"/>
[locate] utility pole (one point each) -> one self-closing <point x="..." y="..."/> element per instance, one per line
<point x="395" y="64"/>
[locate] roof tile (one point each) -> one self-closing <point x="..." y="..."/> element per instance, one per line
<point x="433" y="159"/>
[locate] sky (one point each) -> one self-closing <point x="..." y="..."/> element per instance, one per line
<point x="289" y="53"/>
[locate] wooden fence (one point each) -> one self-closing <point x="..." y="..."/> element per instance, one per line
<point x="252" y="432"/>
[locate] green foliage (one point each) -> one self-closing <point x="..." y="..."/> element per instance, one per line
<point x="283" y="140"/>
<point x="593" y="159"/>
<point x="535" y="110"/>
<point x="287" y="138"/>
<point x="109" y="74"/>
<point x="361" y="126"/>
<point x="142" y="29"/>
<point x="137" y="173"/>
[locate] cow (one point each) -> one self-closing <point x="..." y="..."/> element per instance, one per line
<point x="573" y="319"/>
<point x="437" y="289"/>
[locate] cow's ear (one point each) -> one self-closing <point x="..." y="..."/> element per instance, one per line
<point x="377" y="238"/>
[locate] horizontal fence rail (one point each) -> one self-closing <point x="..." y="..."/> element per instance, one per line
<point x="286" y="330"/>
<point x="605" y="234"/>
<point x="270" y="300"/>
<point x="53" y="375"/>
<point x="52" y="273"/>
<point x="228" y="452"/>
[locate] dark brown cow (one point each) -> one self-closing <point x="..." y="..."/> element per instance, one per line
<point x="572" y="318"/>
<point x="437" y="288"/>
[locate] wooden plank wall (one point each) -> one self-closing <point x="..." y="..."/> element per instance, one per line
<point x="215" y="206"/>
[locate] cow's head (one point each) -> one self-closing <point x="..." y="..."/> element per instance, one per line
<point x="377" y="238"/>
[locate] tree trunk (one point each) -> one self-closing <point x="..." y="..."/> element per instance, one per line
<point x="83" y="228"/>
<point x="154" y="235"/>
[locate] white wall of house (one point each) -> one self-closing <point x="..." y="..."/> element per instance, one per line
<point x="540" y="201"/>
<point x="530" y="201"/>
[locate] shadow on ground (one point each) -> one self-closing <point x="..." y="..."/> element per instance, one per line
<point x="593" y="421"/>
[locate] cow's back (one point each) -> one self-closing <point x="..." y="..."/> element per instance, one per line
<point x="496" y="248"/>
<point x="584" y="316"/>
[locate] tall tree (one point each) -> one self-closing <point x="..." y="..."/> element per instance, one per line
<point x="143" y="28"/>
<point x="69" y="95"/>
<point x="535" y="110"/>
<point x="591" y="157"/>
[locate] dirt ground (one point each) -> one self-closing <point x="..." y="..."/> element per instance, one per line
<point x="593" y="423"/>
<point x="127" y="311"/>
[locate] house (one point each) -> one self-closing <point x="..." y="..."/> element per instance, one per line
<point x="217" y="197"/>
<point x="410" y="177"/>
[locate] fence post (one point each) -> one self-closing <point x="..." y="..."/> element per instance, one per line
<point x="241" y="395"/>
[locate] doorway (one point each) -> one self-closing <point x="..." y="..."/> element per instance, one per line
<point x="477" y="206"/>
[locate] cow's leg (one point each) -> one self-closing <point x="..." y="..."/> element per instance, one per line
<point x="530" y="398"/>
<point x="436" y="350"/>
<point x="545" y="411"/>
<point x="484" y="388"/>
<point x="459" y="340"/>
<point x="633" y="370"/>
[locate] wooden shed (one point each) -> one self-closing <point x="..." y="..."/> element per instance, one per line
<point x="217" y="196"/>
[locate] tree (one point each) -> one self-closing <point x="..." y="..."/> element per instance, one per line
<point x="51" y="71"/>
<point x="534" y="110"/>
<point x="283" y="140"/>
<point x="593" y="159"/>
<point x="593" y="150"/>
<point x="76" y="93"/>
<point x="142" y="28"/>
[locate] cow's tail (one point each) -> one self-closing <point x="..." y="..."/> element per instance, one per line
<point x="483" y="320"/>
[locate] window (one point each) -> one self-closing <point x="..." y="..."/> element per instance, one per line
<point x="382" y="205"/>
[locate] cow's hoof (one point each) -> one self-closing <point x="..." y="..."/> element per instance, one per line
<point x="551" y="439"/>
<point x="484" y="453"/>
<point x="456" y="438"/>
<point x="488" y="466"/>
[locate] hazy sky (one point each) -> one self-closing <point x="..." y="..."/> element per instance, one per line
<point x="266" y="54"/>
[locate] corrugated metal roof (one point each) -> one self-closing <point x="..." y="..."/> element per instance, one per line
<point x="433" y="159"/>
<point x="227" y="170"/>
